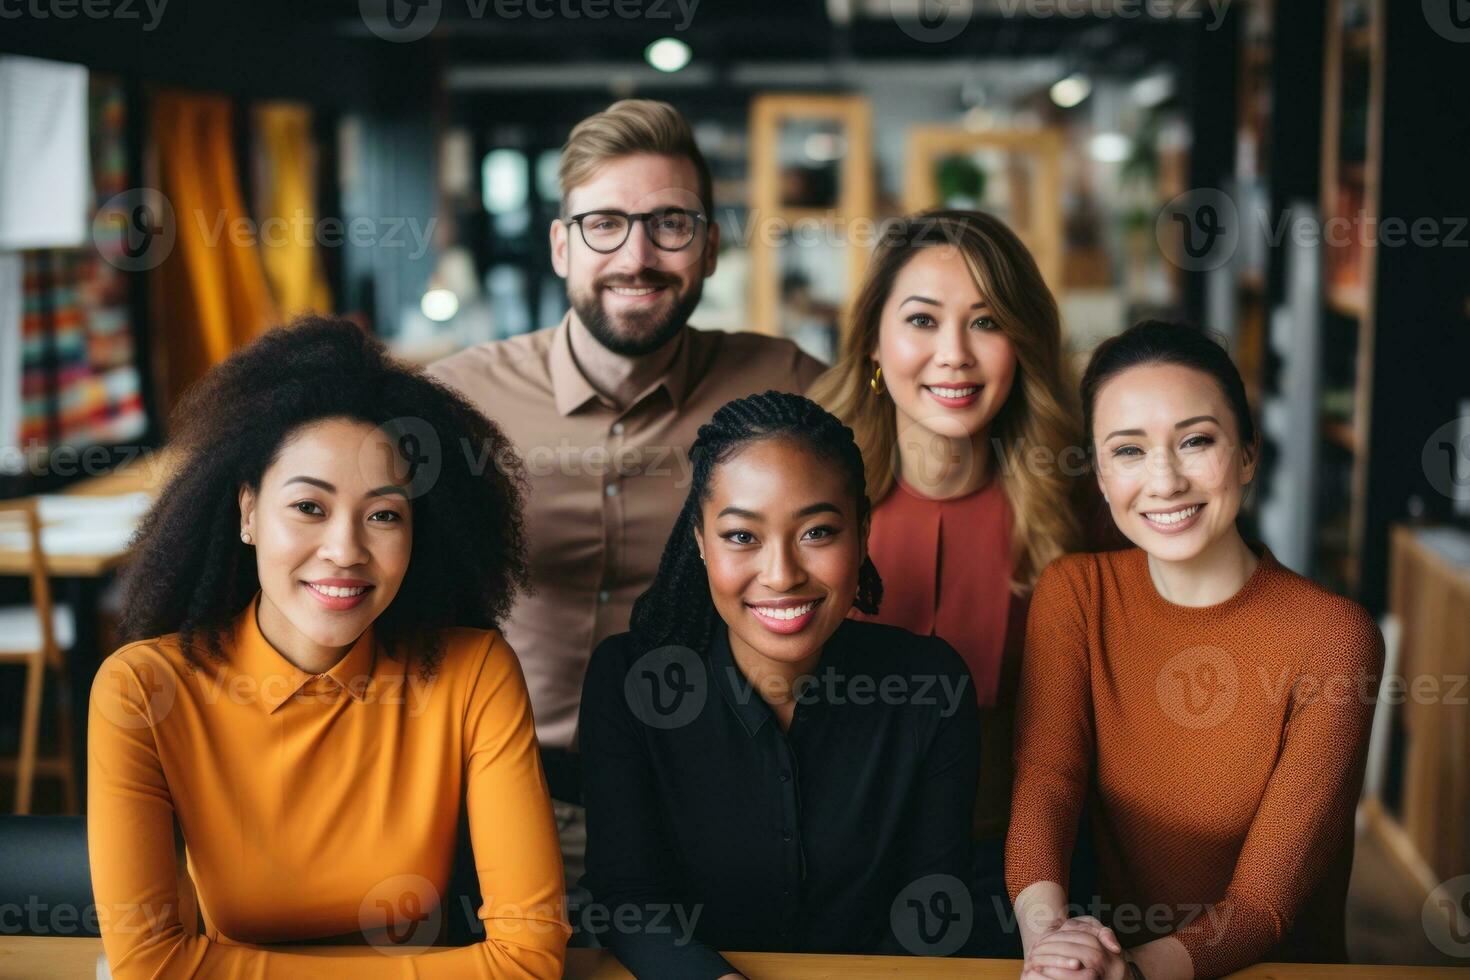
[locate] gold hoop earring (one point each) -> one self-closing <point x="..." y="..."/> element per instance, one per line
<point x="876" y="382"/>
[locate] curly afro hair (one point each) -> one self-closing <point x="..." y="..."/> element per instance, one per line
<point x="190" y="573"/>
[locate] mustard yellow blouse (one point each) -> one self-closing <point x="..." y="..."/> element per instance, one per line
<point x="318" y="807"/>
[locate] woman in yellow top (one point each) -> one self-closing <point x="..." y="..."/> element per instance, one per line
<point x="314" y="684"/>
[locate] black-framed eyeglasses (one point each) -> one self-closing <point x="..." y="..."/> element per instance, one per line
<point x="671" y="229"/>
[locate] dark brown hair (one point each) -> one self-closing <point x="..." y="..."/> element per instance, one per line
<point x="1165" y="342"/>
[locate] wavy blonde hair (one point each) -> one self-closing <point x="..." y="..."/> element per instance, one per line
<point x="1040" y="412"/>
<point x="627" y="127"/>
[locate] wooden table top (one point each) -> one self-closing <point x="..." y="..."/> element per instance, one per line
<point x="36" y="958"/>
<point x="147" y="474"/>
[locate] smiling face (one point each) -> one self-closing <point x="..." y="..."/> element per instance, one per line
<point x="782" y="545"/>
<point x="636" y="299"/>
<point x="946" y="363"/>
<point x="332" y="532"/>
<point x="1169" y="459"/>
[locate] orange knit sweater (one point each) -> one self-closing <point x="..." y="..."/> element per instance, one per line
<point x="1220" y="750"/>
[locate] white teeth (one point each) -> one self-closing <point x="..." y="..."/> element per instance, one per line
<point x="1174" y="518"/>
<point x="624" y="291"/>
<point x="336" y="592"/>
<point x="790" y="612"/>
<point x="954" y="392"/>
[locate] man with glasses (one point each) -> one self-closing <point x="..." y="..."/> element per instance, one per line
<point x="604" y="406"/>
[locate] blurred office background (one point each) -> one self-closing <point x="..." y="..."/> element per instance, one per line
<point x="176" y="178"/>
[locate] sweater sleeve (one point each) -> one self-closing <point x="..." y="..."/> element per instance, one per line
<point x="130" y="835"/>
<point x="1054" y="744"/>
<point x="512" y="831"/>
<point x="1305" y="818"/>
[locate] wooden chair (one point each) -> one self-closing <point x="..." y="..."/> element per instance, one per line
<point x="36" y="637"/>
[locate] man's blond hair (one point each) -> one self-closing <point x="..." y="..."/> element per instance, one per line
<point x="627" y="127"/>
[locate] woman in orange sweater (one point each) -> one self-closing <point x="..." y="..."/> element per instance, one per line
<point x="315" y="685"/>
<point x="952" y="380"/>
<point x="1209" y="706"/>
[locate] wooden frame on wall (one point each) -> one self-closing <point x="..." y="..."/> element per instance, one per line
<point x="1041" y="230"/>
<point x="855" y="200"/>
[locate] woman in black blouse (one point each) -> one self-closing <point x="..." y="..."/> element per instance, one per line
<point x="760" y="772"/>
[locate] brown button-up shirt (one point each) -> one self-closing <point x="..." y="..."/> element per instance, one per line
<point x="605" y="484"/>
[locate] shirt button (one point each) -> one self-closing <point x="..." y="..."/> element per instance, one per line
<point x="617" y="428"/>
<point x="603" y="596"/>
<point x="785" y="775"/>
<point x="786" y="836"/>
<point x="611" y="490"/>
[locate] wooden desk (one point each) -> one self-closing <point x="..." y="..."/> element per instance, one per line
<point x="146" y="474"/>
<point x="32" y="958"/>
<point x="1428" y="835"/>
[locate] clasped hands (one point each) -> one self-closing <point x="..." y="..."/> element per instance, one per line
<point x="1079" y="948"/>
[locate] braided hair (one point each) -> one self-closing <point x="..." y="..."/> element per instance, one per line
<point x="677" y="609"/>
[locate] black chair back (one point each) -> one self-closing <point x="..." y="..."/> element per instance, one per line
<point x="45" y="879"/>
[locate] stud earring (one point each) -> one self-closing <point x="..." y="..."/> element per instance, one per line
<point x="876" y="382"/>
<point x="246" y="537"/>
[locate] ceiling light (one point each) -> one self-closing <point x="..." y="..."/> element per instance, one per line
<point x="1071" y="90"/>
<point x="1110" y="147"/>
<point x="439" y="305"/>
<point x="1152" y="90"/>
<point x="667" y="54"/>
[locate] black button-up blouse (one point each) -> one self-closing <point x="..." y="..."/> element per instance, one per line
<point x="710" y="828"/>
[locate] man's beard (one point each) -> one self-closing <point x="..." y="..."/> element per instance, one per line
<point x="650" y="332"/>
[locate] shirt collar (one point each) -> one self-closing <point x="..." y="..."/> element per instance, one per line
<point x="571" y="389"/>
<point x="742" y="696"/>
<point x="739" y="693"/>
<point x="276" y="680"/>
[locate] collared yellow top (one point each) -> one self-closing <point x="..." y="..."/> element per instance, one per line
<point x="318" y="807"/>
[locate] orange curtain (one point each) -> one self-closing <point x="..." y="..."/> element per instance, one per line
<point x="212" y="294"/>
<point x="286" y="203"/>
